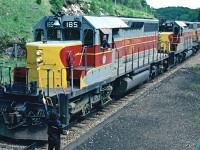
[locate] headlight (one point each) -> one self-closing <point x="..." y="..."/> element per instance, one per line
<point x="39" y="60"/>
<point x="38" y="53"/>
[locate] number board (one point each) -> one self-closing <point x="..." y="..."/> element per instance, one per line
<point x="49" y="24"/>
<point x="72" y="24"/>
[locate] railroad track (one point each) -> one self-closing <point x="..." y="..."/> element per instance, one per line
<point x="83" y="127"/>
<point x="76" y="133"/>
<point x="11" y="144"/>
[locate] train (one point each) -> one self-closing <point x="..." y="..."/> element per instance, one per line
<point x="67" y="66"/>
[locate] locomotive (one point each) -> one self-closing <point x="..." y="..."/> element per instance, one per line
<point x="67" y="66"/>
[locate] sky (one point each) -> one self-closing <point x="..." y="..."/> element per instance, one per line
<point x="193" y="4"/>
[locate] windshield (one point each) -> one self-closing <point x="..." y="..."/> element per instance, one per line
<point x="71" y="34"/>
<point x="166" y="28"/>
<point x="54" y="34"/>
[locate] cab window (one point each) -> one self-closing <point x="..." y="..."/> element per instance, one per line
<point x="71" y="34"/>
<point x="88" y="37"/>
<point x="176" y="30"/>
<point x="53" y="34"/>
<point x="39" y="34"/>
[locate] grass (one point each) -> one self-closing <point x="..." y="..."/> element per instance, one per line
<point x="198" y="72"/>
<point x="109" y="8"/>
<point x="197" y="66"/>
<point x="195" y="85"/>
<point x="18" y="18"/>
<point x="8" y="61"/>
<point x="196" y="118"/>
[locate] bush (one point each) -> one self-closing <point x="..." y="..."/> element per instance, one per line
<point x="94" y="8"/>
<point x="39" y="2"/>
<point x="56" y="5"/>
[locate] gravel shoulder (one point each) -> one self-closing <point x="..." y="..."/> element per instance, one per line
<point x="164" y="117"/>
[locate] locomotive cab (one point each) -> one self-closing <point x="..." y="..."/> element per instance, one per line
<point x="165" y="33"/>
<point x="195" y="26"/>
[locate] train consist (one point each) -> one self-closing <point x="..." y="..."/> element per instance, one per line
<point x="67" y="66"/>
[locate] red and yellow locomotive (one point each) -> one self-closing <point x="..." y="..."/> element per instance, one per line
<point x="67" y="65"/>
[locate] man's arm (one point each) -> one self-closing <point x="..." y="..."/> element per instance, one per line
<point x="45" y="107"/>
<point x="107" y="44"/>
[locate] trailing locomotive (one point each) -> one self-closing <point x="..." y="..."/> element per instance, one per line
<point x="67" y="66"/>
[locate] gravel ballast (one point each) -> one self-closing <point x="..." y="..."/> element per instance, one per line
<point x="165" y="117"/>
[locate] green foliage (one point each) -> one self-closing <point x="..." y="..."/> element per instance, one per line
<point x="18" y="18"/>
<point x="197" y="66"/>
<point x="198" y="16"/>
<point x="177" y="13"/>
<point x="137" y="8"/>
<point x="135" y="4"/>
<point x="94" y="8"/>
<point x="39" y="2"/>
<point x="56" y="5"/>
<point x="195" y="85"/>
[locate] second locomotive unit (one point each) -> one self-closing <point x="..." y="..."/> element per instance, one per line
<point x="67" y="66"/>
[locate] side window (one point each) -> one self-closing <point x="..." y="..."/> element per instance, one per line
<point x="115" y="37"/>
<point x="150" y="27"/>
<point x="103" y="37"/>
<point x="88" y="37"/>
<point x="176" y="30"/>
<point x="53" y="34"/>
<point x="39" y="34"/>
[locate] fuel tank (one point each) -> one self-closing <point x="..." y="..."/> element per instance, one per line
<point x="128" y="83"/>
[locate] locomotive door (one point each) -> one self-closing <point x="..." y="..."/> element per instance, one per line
<point x="88" y="49"/>
<point x="69" y="64"/>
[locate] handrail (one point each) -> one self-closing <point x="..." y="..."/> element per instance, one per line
<point x="9" y="68"/>
<point x="72" y="76"/>
<point x="48" y="70"/>
<point x="27" y="77"/>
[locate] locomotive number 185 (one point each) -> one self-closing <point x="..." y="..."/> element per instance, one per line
<point x="71" y="24"/>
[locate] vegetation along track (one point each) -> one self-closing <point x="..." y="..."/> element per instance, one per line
<point x="95" y="121"/>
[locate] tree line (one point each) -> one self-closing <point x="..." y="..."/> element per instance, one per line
<point x="178" y="13"/>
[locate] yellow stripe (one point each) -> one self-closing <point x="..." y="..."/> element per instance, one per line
<point x="117" y="48"/>
<point x="116" y="59"/>
<point x="109" y="51"/>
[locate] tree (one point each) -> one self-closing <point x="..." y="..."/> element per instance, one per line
<point x="38" y="2"/>
<point x="56" y="5"/>
<point x="95" y="8"/>
<point x="198" y="16"/>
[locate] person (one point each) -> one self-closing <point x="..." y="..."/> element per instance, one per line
<point x="105" y="43"/>
<point x="54" y="128"/>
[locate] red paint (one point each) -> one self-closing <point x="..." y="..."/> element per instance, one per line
<point x="95" y="54"/>
<point x="20" y="74"/>
<point x="64" y="55"/>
